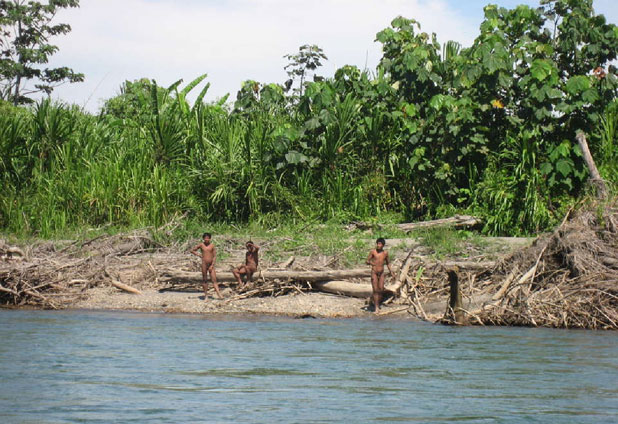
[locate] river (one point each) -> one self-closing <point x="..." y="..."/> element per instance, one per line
<point x="107" y="367"/>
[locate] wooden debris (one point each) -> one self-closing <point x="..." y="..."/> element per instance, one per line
<point x="288" y="263"/>
<point x="324" y="275"/>
<point x="454" y="312"/>
<point x="457" y="221"/>
<point x="120" y="285"/>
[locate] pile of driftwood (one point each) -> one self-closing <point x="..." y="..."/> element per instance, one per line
<point x="567" y="279"/>
<point x="54" y="277"/>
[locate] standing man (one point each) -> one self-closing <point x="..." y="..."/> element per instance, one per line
<point x="377" y="258"/>
<point x="209" y="257"/>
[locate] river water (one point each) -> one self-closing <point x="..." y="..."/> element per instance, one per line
<point x="107" y="367"/>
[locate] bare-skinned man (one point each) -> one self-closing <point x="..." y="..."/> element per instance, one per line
<point x="251" y="263"/>
<point x="209" y="257"/>
<point x="377" y="258"/>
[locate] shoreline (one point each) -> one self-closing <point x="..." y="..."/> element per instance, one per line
<point x="294" y="305"/>
<point x="513" y="285"/>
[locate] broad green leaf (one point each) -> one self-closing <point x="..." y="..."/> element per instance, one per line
<point x="193" y="84"/>
<point x="554" y="93"/>
<point x="541" y="69"/>
<point x="564" y="167"/>
<point x="293" y="157"/>
<point x="590" y="95"/>
<point x="410" y="110"/>
<point x="312" y="124"/>
<point x="577" y="84"/>
<point x="440" y="100"/>
<point x="546" y="168"/>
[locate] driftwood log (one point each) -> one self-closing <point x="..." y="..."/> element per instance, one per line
<point x="120" y="285"/>
<point x="329" y="281"/>
<point x="457" y="221"/>
<point x="311" y="276"/>
<point x="350" y="289"/>
<point x="9" y="251"/>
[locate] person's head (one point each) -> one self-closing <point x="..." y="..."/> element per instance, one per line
<point x="206" y="236"/>
<point x="249" y="245"/>
<point x="380" y="243"/>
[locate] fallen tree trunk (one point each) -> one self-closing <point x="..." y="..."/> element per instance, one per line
<point x="125" y="287"/>
<point x="122" y="286"/>
<point x="311" y="276"/>
<point x="457" y="221"/>
<point x="326" y="275"/>
<point x="347" y="288"/>
<point x="466" y="265"/>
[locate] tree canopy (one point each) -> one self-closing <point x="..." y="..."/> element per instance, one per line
<point x="26" y="28"/>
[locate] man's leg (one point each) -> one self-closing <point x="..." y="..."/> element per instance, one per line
<point x="237" y="272"/>
<point x="381" y="288"/>
<point x="213" y="277"/>
<point x="375" y="288"/>
<point x="205" y="280"/>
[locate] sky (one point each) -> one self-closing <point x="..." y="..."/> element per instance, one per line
<point x="113" y="41"/>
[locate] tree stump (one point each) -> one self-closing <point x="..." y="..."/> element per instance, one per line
<point x="455" y="306"/>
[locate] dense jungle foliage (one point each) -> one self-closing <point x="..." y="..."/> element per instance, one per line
<point x="488" y="129"/>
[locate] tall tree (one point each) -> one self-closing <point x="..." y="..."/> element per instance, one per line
<point x="25" y="30"/>
<point x="308" y="59"/>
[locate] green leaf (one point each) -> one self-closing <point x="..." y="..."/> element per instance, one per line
<point x="564" y="167"/>
<point x="577" y="84"/>
<point x="440" y="100"/>
<point x="590" y="95"/>
<point x="505" y="80"/>
<point x="293" y="157"/>
<point x="554" y="93"/>
<point x="312" y="124"/>
<point x="193" y="84"/>
<point x="410" y="110"/>
<point x="541" y="69"/>
<point x="546" y="168"/>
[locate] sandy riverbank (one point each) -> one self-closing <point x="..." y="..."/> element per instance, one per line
<point x="79" y="275"/>
<point x="310" y="304"/>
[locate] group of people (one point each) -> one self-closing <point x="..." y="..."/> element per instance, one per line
<point x="377" y="258"/>
<point x="209" y="258"/>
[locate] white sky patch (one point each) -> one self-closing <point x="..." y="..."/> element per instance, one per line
<point x="234" y="40"/>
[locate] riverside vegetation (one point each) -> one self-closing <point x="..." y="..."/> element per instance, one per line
<point x="488" y="130"/>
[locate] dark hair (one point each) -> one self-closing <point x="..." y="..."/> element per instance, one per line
<point x="249" y="242"/>
<point x="381" y="240"/>
<point x="206" y="234"/>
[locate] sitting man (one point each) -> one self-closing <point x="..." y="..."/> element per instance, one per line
<point x="250" y="266"/>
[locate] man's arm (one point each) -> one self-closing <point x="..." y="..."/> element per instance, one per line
<point x="388" y="264"/>
<point x="369" y="258"/>
<point x="195" y="249"/>
<point x="214" y="256"/>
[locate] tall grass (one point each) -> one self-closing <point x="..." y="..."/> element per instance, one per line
<point x="150" y="155"/>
